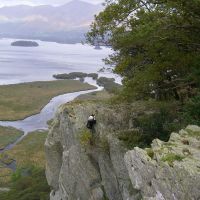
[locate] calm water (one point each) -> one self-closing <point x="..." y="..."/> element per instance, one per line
<point x="24" y="64"/>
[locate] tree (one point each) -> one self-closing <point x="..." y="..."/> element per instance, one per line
<point x="156" y="45"/>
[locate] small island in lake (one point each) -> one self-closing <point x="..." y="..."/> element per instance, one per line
<point x="22" y="43"/>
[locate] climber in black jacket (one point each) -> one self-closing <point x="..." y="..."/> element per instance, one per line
<point x="91" y="121"/>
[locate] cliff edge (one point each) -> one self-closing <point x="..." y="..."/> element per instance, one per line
<point x="100" y="167"/>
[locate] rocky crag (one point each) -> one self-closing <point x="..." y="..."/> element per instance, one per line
<point x="169" y="170"/>
<point x="103" y="169"/>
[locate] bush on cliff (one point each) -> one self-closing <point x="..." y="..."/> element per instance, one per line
<point x="151" y="126"/>
<point x="85" y="137"/>
<point x="191" y="111"/>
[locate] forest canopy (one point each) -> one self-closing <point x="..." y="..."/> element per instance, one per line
<point x="156" y="46"/>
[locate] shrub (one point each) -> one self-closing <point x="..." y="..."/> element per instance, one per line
<point x="93" y="75"/>
<point x="158" y="125"/>
<point x="191" y="111"/>
<point x="102" y="81"/>
<point x="150" y="152"/>
<point x="72" y="75"/>
<point x="109" y="84"/>
<point x="151" y="126"/>
<point x="85" y="137"/>
<point x="171" y="157"/>
<point x="132" y="139"/>
<point x="17" y="175"/>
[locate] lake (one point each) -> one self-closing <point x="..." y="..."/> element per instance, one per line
<point x="26" y="64"/>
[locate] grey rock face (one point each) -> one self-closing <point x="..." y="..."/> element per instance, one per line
<point x="173" y="173"/>
<point x="106" y="170"/>
<point x="4" y="190"/>
<point x="92" y="172"/>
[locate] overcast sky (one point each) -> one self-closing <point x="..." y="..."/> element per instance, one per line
<point x="41" y="2"/>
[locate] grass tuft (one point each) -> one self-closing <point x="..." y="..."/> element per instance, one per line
<point x="85" y="137"/>
<point x="171" y="157"/>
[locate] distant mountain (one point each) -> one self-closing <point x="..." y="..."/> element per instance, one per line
<point x="66" y="23"/>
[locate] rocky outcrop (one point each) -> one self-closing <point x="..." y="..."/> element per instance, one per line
<point x="169" y="170"/>
<point x="92" y="172"/>
<point x="105" y="170"/>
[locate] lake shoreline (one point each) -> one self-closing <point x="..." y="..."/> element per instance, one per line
<point x="20" y="101"/>
<point x="13" y="165"/>
<point x="21" y="119"/>
<point x="47" y="112"/>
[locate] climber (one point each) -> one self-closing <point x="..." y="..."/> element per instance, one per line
<point x="91" y="121"/>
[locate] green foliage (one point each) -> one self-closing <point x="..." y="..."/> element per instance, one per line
<point x="17" y="175"/>
<point x="85" y="137"/>
<point x="191" y="111"/>
<point x="156" y="45"/>
<point x="93" y="75"/>
<point x="28" y="184"/>
<point x="74" y="75"/>
<point x="50" y="122"/>
<point x="171" y="157"/>
<point x="109" y="84"/>
<point x="104" y="194"/>
<point x="132" y="139"/>
<point x="157" y="125"/>
<point x="150" y="152"/>
<point x="151" y="126"/>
